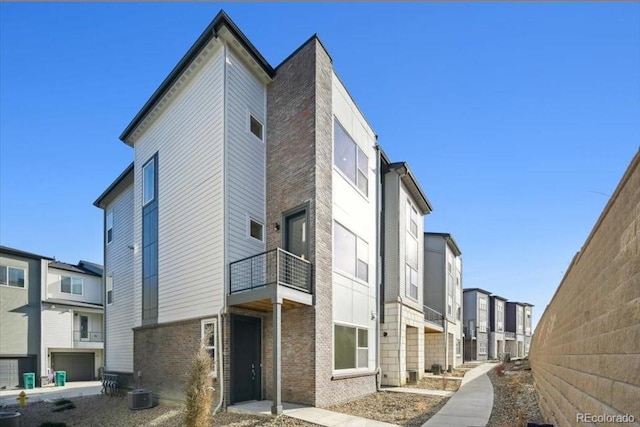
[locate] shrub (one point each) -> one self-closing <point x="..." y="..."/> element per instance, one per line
<point x="199" y="404"/>
<point x="500" y="370"/>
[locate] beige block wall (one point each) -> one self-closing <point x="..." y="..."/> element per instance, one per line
<point x="401" y="347"/>
<point x="585" y="353"/>
<point x="434" y="345"/>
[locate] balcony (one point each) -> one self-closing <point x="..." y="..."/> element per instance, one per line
<point x="88" y="339"/>
<point x="509" y="335"/>
<point x="276" y="275"/>
<point x="434" y="320"/>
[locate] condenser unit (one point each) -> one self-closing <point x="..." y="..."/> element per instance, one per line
<point x="140" y="399"/>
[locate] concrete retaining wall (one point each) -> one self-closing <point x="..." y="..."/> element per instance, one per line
<point x="585" y="354"/>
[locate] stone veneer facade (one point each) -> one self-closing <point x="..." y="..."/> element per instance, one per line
<point x="585" y="353"/>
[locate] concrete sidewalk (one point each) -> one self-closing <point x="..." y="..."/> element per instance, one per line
<point x="51" y="392"/>
<point x="306" y="413"/>
<point x="422" y="391"/>
<point x="471" y="405"/>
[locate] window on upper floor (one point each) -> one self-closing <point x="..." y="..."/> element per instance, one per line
<point x="412" y="219"/>
<point x="350" y="347"/>
<point x="411" y="282"/>
<point x="208" y="336"/>
<point x="255" y="127"/>
<point x="350" y="158"/>
<point x="148" y="181"/>
<point x="256" y="229"/>
<point x="350" y="253"/>
<point x="12" y="276"/>
<point x="109" y="232"/>
<point x="109" y="286"/>
<point x="458" y="346"/>
<point x="71" y="285"/>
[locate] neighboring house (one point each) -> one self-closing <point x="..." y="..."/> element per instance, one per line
<point x="497" y="327"/>
<point x="514" y="327"/>
<point x="528" y="331"/>
<point x="72" y="311"/>
<point x="252" y="211"/>
<point x="443" y="301"/>
<point x="21" y="275"/>
<point x="50" y="317"/>
<point x="403" y="324"/>
<point x="476" y="323"/>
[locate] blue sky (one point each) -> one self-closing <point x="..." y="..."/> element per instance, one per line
<point x="515" y="117"/>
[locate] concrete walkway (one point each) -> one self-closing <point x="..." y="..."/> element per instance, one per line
<point x="423" y="391"/>
<point x="471" y="405"/>
<point x="306" y="413"/>
<point x="51" y="392"/>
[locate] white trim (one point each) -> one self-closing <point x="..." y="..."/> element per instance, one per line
<point x="213" y="321"/>
<point x="261" y="223"/>
<point x="24" y="275"/>
<point x="71" y="285"/>
<point x="251" y="114"/>
<point x="106" y="231"/>
<point x="152" y="160"/>
<point x="106" y="295"/>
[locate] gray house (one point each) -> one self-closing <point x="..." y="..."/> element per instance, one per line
<point x="476" y="324"/>
<point x="497" y="326"/>
<point x="514" y="329"/>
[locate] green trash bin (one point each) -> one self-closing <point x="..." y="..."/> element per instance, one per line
<point x="29" y="380"/>
<point x="61" y="378"/>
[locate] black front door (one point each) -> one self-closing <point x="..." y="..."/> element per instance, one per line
<point x="295" y="238"/>
<point x="245" y="358"/>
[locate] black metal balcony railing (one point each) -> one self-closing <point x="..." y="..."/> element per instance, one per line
<point x="276" y="266"/>
<point x="87" y="336"/>
<point x="430" y="315"/>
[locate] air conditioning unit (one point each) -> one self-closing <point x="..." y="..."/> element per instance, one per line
<point x="140" y="399"/>
<point x="412" y="377"/>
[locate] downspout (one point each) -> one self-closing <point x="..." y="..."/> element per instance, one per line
<point x="223" y="309"/>
<point x="400" y="307"/>
<point x="378" y="266"/>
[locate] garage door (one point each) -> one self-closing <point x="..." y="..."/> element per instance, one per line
<point x="11" y="370"/>
<point x="79" y="366"/>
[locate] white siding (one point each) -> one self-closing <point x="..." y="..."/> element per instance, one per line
<point x="120" y="315"/>
<point x="57" y="328"/>
<point x="245" y="158"/>
<point x="354" y="300"/>
<point x="188" y="137"/>
<point x="91" y="286"/>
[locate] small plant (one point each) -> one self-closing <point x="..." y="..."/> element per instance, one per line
<point x="199" y="394"/>
<point x="500" y="370"/>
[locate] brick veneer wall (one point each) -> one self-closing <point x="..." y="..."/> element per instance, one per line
<point x="585" y="353"/>
<point x="163" y="354"/>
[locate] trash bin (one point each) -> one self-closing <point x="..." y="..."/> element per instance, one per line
<point x="436" y="369"/>
<point x="29" y="380"/>
<point x="61" y="378"/>
<point x="10" y="419"/>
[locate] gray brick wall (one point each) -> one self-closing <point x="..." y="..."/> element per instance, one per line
<point x="585" y="352"/>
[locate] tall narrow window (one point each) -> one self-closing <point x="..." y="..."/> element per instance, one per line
<point x="148" y="182"/>
<point x="109" y="226"/>
<point x="412" y="219"/>
<point x="208" y="335"/>
<point x="350" y="158"/>
<point x="411" y="282"/>
<point x="109" y="286"/>
<point x="150" y="242"/>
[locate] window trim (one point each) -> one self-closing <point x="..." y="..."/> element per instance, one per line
<point x="411" y="210"/>
<point x="251" y="219"/>
<point x="251" y="115"/>
<point x="151" y="161"/>
<point x="108" y="288"/>
<point x="356" y="348"/>
<point x="408" y="269"/>
<point x="212" y="321"/>
<point x="355" y="184"/>
<point x="109" y="227"/>
<point x="71" y="279"/>
<point x="8" y="280"/>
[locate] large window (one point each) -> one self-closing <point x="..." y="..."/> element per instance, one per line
<point x="411" y="282"/>
<point x="208" y="335"/>
<point x="350" y="158"/>
<point x="71" y="285"/>
<point x="12" y="276"/>
<point x="351" y="347"/>
<point x="482" y="314"/>
<point x="109" y="232"/>
<point x="351" y="253"/>
<point x="148" y="181"/>
<point x="500" y="315"/>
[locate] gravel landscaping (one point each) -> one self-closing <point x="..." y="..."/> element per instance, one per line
<point x="431" y="383"/>
<point x="405" y="409"/>
<point x="98" y="411"/>
<point x="514" y="398"/>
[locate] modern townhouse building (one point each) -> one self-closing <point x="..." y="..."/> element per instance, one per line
<point x="253" y="210"/>
<point x="21" y="275"/>
<point x="72" y="324"/>
<point x="403" y="324"/>
<point x="443" y="308"/>
<point x="514" y="329"/>
<point x="476" y="323"/>
<point x="496" y="326"/>
<point x="50" y="318"/>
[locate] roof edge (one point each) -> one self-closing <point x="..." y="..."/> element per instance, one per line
<point x="404" y="169"/>
<point x="113" y="185"/>
<point x="18" y="252"/>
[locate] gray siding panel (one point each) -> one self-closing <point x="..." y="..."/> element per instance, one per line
<point x="245" y="158"/>
<point x="434" y="273"/>
<point x="119" y="263"/>
<point x="391" y="237"/>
